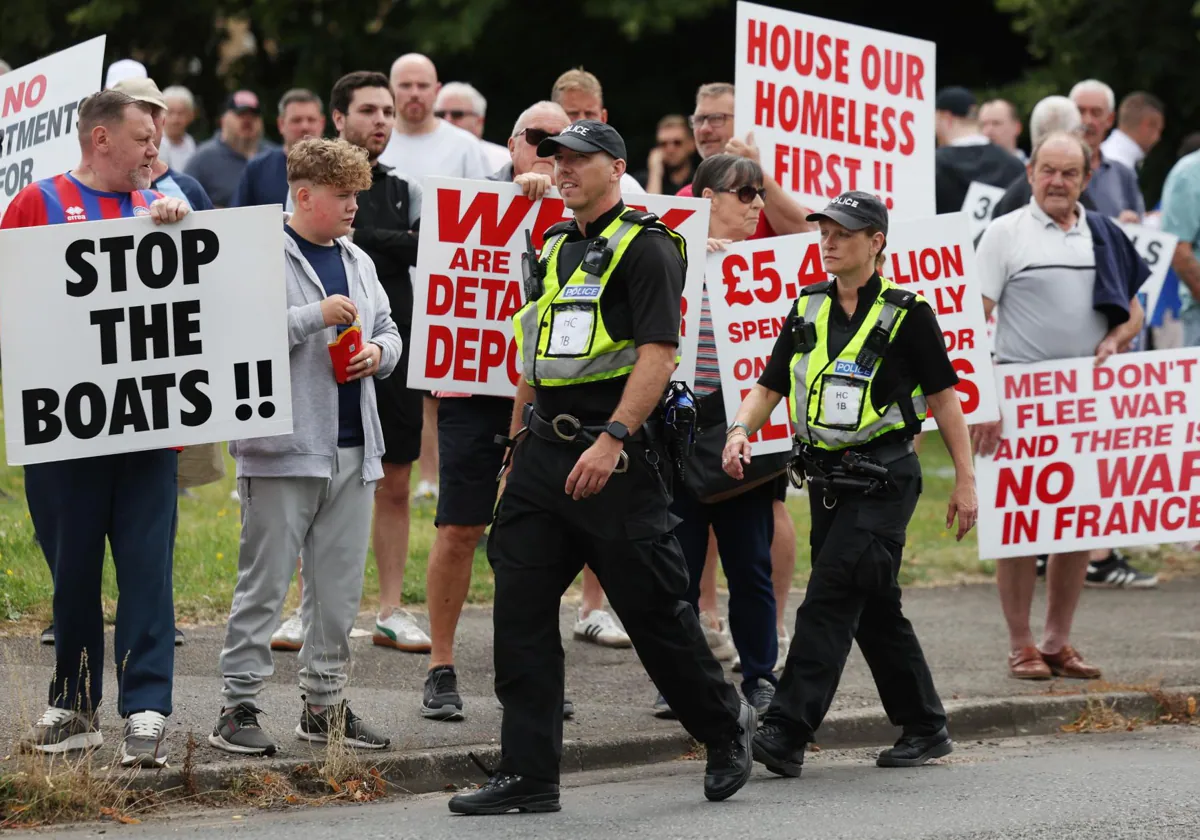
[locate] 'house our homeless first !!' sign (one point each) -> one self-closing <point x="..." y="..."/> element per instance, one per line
<point x="123" y="335"/>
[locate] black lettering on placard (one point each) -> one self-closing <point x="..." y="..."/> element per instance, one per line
<point x="107" y="320"/>
<point x="115" y="247"/>
<point x="168" y="262"/>
<point x="156" y="330"/>
<point x="185" y="326"/>
<point x="200" y="247"/>
<point x="127" y="408"/>
<point x="189" y="389"/>
<point x="41" y="424"/>
<point x="97" y="410"/>
<point x="158" y="385"/>
<point x="16" y="176"/>
<point x="88" y="279"/>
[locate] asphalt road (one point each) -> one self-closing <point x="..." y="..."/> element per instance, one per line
<point x="1115" y="786"/>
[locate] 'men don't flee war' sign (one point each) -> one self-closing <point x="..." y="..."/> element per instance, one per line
<point x="122" y="335"/>
<point x="38" y="107"/>
<point x="1094" y="457"/>
<point x="752" y="284"/>
<point x="837" y="107"/>
<point x="467" y="283"/>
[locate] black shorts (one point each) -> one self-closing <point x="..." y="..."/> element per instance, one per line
<point x="469" y="459"/>
<point x="400" y="412"/>
<point x="781" y="487"/>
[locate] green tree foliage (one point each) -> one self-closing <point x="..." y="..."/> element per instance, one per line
<point x="1151" y="45"/>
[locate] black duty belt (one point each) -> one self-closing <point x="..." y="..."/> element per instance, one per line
<point x="848" y="471"/>
<point x="566" y="428"/>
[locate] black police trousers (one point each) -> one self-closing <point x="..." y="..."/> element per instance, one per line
<point x="540" y="540"/>
<point x="853" y="595"/>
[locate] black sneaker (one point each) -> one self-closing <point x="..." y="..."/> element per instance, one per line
<point x="760" y="695"/>
<point x="47" y="637"/>
<point x="1114" y="572"/>
<point x="237" y="731"/>
<point x="441" y="701"/>
<point x="730" y="762"/>
<point x="915" y="750"/>
<point x="779" y="751"/>
<point x="61" y="730"/>
<point x="1042" y="560"/>
<point x="317" y="727"/>
<point x="662" y="709"/>
<point x="178" y="637"/>
<point x="506" y="792"/>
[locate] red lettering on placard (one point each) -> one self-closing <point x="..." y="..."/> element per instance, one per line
<point x="1042" y="384"/>
<point x="1141" y="474"/>
<point x="897" y="72"/>
<point x="24" y="95"/>
<point x="808" y="171"/>
<point x="968" y="391"/>
<point x="468" y="354"/>
<point x="1020" y="526"/>
<point x="1008" y="484"/>
<point x="483" y="213"/>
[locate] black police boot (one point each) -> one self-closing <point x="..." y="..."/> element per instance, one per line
<point x="506" y="792"/>
<point x="781" y="752"/>
<point x="729" y="762"/>
<point x="915" y="750"/>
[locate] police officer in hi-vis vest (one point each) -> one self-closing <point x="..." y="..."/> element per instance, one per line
<point x="588" y="483"/>
<point x="864" y="362"/>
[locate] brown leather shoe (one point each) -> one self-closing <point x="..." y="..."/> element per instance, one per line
<point x="1027" y="664"/>
<point x="1068" y="663"/>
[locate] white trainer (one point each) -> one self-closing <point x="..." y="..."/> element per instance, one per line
<point x="400" y="631"/>
<point x="600" y="628"/>
<point x="290" y="635"/>
<point x="716" y="633"/>
<point x="143" y="744"/>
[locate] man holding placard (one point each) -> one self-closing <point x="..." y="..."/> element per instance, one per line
<point x="128" y="499"/>
<point x="864" y="363"/>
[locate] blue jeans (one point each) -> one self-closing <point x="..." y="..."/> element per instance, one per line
<point x="130" y="501"/>
<point x="744" y="527"/>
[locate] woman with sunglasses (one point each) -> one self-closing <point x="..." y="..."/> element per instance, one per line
<point x="740" y="515"/>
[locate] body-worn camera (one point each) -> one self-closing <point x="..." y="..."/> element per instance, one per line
<point x="804" y="336"/>
<point x="597" y="257"/>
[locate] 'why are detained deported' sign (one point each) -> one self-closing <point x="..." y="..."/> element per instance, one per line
<point x="124" y="335"/>
<point x="467" y="284"/>
<point x="1093" y="457"/>
<point x="38" y="105"/>
<point x="836" y="107"/>
<point x="753" y="284"/>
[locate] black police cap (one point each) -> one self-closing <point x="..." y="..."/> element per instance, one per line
<point x="586" y="136"/>
<point x="855" y="210"/>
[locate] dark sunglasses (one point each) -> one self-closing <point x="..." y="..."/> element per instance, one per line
<point x="455" y="114"/>
<point x="534" y="136"/>
<point x="747" y="193"/>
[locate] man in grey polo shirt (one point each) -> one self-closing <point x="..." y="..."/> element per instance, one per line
<point x="1039" y="263"/>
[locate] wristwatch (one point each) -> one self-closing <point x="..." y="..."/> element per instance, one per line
<point x="618" y="430"/>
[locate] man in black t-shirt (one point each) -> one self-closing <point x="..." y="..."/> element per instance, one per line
<point x="964" y="154"/>
<point x="864" y="362"/>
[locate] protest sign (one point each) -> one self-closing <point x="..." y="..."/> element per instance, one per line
<point x="38" y="105"/>
<point x="124" y="335"/>
<point x="979" y="205"/>
<point x="752" y="286"/>
<point x="836" y="107"/>
<point x="1093" y="457"/>
<point x="467" y="283"/>
<point x="1157" y="248"/>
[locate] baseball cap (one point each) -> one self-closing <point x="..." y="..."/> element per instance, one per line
<point x="855" y="210"/>
<point x="125" y="68"/>
<point x="144" y="90"/>
<point x="243" y="101"/>
<point x="586" y="136"/>
<point x="957" y="100"/>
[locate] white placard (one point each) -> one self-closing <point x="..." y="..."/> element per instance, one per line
<point x="38" y="105"/>
<point x="836" y="107"/>
<point x="124" y="335"/>
<point x="1157" y="249"/>
<point x="753" y="286"/>
<point x="467" y="282"/>
<point x="979" y="205"/>
<point x="1093" y="457"/>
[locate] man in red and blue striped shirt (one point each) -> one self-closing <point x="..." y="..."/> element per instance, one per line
<point x="128" y="499"/>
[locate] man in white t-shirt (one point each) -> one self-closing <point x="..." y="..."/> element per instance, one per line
<point x="460" y="104"/>
<point x="580" y="95"/>
<point x="422" y="144"/>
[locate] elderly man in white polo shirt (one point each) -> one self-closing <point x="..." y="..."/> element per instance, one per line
<point x="1061" y="296"/>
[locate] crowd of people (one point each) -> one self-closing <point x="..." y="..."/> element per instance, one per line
<point x="312" y="501"/>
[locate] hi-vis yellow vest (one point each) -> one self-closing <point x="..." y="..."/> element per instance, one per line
<point x="833" y="405"/>
<point x="561" y="337"/>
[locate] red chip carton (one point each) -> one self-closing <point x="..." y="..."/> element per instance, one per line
<point x="348" y="345"/>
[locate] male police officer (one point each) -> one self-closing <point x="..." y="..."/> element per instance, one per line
<point x="863" y="360"/>
<point x="597" y="340"/>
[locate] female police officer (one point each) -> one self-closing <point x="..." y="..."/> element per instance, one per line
<point x="862" y="359"/>
<point x="597" y="340"/>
